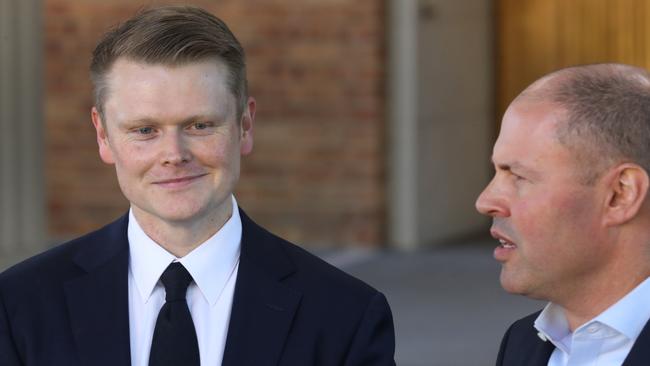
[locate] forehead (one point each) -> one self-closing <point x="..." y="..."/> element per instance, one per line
<point x="155" y="88"/>
<point x="528" y="133"/>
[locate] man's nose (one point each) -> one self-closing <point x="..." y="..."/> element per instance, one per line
<point x="490" y="203"/>
<point x="175" y="149"/>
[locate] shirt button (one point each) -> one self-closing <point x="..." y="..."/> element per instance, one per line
<point x="592" y="328"/>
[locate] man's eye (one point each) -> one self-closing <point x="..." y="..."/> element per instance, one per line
<point x="145" y="130"/>
<point x="200" y="125"/>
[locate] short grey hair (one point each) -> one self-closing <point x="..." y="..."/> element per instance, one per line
<point x="607" y="115"/>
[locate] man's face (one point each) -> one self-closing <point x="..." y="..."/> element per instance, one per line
<point x="548" y="222"/>
<point x="174" y="137"/>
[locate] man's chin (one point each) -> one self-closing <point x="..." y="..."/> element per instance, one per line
<point x="517" y="285"/>
<point x="511" y="283"/>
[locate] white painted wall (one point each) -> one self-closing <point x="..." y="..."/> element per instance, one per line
<point x="455" y="123"/>
<point x="440" y="80"/>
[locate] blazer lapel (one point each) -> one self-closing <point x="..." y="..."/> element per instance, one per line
<point x="536" y="353"/>
<point x="263" y="307"/>
<point x="523" y="345"/>
<point x="640" y="353"/>
<point x="541" y="353"/>
<point x="98" y="300"/>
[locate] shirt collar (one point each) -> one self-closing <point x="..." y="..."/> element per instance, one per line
<point x="210" y="264"/>
<point x="552" y="325"/>
<point x="628" y="316"/>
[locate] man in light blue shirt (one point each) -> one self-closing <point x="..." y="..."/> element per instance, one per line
<point x="569" y="203"/>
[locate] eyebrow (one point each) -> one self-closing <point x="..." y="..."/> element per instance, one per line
<point x="515" y="166"/>
<point x="152" y="121"/>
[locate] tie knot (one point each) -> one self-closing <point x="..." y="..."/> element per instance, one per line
<point x="175" y="279"/>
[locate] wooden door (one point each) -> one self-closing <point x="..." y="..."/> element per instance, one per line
<point x="535" y="37"/>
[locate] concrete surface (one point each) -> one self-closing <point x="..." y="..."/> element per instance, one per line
<point x="448" y="306"/>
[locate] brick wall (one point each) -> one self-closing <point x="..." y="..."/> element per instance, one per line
<point x="316" y="68"/>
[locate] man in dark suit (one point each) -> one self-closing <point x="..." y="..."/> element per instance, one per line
<point x="185" y="278"/>
<point x="570" y="209"/>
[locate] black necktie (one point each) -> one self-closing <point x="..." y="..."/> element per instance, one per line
<point x="174" y="338"/>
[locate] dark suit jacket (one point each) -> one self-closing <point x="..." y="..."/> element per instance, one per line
<point x="522" y="347"/>
<point x="69" y="306"/>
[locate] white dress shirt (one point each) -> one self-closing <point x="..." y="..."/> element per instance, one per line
<point x="605" y="340"/>
<point x="213" y="266"/>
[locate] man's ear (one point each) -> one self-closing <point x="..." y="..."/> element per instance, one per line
<point x="246" y="127"/>
<point x="105" y="151"/>
<point x="627" y="186"/>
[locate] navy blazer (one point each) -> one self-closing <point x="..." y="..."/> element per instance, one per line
<point x="69" y="306"/>
<point x="522" y="346"/>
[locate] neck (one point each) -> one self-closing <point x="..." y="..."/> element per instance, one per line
<point x="624" y="262"/>
<point x="182" y="237"/>
<point x="585" y="307"/>
<point x="585" y="297"/>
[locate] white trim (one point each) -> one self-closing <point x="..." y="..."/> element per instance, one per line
<point x="22" y="217"/>
<point x="402" y="123"/>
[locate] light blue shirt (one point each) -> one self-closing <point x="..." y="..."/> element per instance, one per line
<point x="605" y="340"/>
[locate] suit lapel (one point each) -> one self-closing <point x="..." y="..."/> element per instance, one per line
<point x="640" y="353"/>
<point x="98" y="300"/>
<point x="263" y="307"/>
<point x="523" y="346"/>
<point x="541" y="353"/>
<point x="529" y="353"/>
